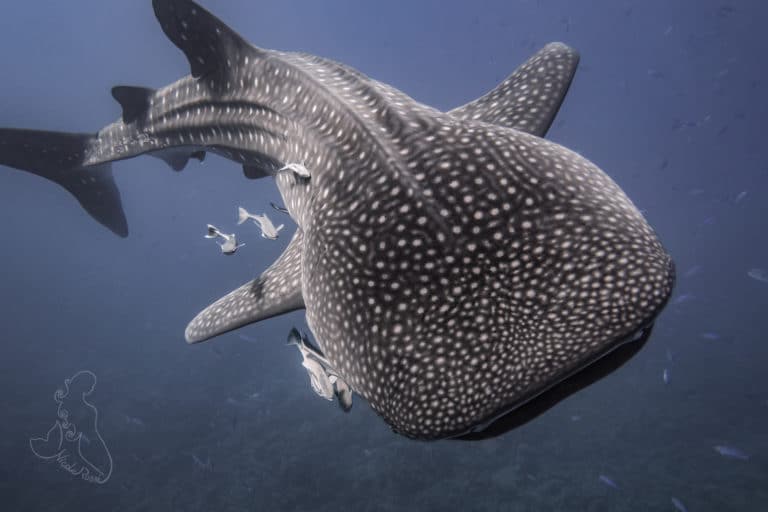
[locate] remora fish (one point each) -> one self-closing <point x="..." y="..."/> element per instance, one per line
<point x="453" y="266"/>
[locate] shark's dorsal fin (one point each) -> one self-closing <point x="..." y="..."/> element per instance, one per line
<point x="276" y="291"/>
<point x="207" y="42"/>
<point x="134" y="100"/>
<point x="529" y="98"/>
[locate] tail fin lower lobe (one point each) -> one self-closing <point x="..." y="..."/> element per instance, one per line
<point x="58" y="157"/>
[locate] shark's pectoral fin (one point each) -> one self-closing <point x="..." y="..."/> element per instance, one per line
<point x="253" y="172"/>
<point x="58" y="157"/>
<point x="529" y="98"/>
<point x="276" y="291"/>
<point x="133" y="100"/>
<point x="260" y="166"/>
<point x="206" y="41"/>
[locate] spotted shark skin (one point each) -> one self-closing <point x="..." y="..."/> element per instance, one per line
<point x="452" y="265"/>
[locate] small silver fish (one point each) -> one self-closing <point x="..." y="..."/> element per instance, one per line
<point x="758" y="274"/>
<point x="685" y="297"/>
<point x="607" y="481"/>
<point x="343" y="393"/>
<point x="665" y="376"/>
<point x="655" y="73"/>
<point x="740" y="197"/>
<point x="213" y="231"/>
<point x="318" y="377"/>
<point x="229" y="245"/>
<point x="131" y="420"/>
<point x="731" y="452"/>
<point x="712" y="336"/>
<point x="678" y="505"/>
<point x="268" y="229"/>
<point x="281" y="209"/>
<point x="693" y="271"/>
<point x="298" y="169"/>
<point x="205" y="466"/>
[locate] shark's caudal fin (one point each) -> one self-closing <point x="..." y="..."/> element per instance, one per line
<point x="207" y="42"/>
<point x="58" y="157"/>
<point x="276" y="291"/>
<point x="529" y="98"/>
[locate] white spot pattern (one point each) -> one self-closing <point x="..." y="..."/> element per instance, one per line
<point x="451" y="265"/>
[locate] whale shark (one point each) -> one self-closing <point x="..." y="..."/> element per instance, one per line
<point x="453" y="266"/>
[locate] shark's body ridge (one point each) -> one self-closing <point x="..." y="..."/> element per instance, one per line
<point x="452" y="265"/>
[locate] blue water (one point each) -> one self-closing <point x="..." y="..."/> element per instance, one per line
<point x="669" y="99"/>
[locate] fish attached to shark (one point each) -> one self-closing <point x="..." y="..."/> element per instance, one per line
<point x="453" y="265"/>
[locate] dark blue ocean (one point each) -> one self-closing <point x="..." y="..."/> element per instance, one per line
<point x="669" y="99"/>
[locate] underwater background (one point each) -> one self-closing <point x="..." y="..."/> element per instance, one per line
<point x="669" y="100"/>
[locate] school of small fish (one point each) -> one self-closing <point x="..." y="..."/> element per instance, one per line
<point x="268" y="229"/>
